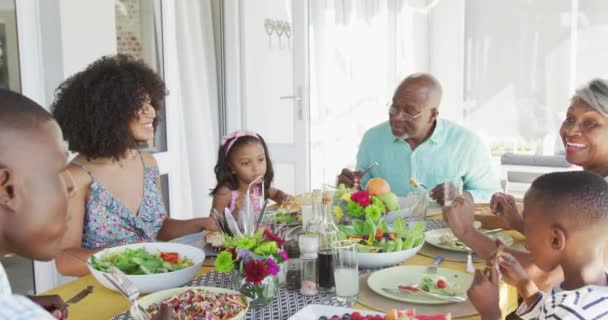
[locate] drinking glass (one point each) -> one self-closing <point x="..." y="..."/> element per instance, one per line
<point x="418" y="202"/>
<point x="452" y="188"/>
<point x="346" y="270"/>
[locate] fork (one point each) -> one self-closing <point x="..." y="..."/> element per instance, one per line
<point x="432" y="268"/>
<point x="129" y="291"/>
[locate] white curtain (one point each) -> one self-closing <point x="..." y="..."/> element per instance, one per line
<point x="195" y="139"/>
<point x="359" y="51"/>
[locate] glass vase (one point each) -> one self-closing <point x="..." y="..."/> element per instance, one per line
<point x="258" y="295"/>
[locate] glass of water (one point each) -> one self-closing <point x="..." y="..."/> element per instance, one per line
<point x="346" y="270"/>
<point x="452" y="188"/>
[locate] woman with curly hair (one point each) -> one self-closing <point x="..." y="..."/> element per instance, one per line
<point x="105" y="113"/>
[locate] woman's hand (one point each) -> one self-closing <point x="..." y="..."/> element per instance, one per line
<point x="503" y="205"/>
<point x="286" y="198"/>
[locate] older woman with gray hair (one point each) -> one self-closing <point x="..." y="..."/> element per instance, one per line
<point x="584" y="133"/>
<point x="585" y="130"/>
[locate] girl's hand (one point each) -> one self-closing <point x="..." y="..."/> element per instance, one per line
<point x="287" y="198"/>
<point x="503" y="205"/>
<point x="483" y="293"/>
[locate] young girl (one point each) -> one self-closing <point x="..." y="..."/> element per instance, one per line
<point x="243" y="157"/>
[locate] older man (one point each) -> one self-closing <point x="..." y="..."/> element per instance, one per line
<point x="415" y="143"/>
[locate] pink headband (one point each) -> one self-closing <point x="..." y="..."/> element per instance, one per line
<point x="235" y="136"/>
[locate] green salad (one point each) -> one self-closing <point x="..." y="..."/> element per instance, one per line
<point x="140" y="261"/>
<point x="379" y="237"/>
<point x="437" y="285"/>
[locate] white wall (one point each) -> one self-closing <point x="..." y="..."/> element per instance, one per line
<point x="88" y="30"/>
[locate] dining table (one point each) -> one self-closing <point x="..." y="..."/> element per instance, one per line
<point x="104" y="303"/>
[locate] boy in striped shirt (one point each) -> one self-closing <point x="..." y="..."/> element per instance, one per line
<point x="566" y="225"/>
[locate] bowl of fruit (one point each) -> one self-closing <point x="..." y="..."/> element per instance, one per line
<point x="380" y="245"/>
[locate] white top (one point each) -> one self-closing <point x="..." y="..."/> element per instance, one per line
<point x="16" y="307"/>
<point x="589" y="302"/>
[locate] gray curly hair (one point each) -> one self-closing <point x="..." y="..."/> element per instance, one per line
<point x="595" y="94"/>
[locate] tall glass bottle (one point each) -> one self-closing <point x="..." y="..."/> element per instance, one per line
<point x="314" y="225"/>
<point x="307" y="213"/>
<point x="328" y="233"/>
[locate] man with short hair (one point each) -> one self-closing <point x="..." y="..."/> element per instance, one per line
<point x="415" y="143"/>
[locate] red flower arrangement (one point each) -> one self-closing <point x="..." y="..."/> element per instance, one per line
<point x="362" y="198"/>
<point x="255" y="271"/>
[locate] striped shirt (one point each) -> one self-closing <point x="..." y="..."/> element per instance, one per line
<point x="16" y="307"/>
<point x="586" y="303"/>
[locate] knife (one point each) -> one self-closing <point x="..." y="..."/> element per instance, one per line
<point x="399" y="292"/>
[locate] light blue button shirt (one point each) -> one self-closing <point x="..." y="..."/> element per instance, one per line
<point x="450" y="152"/>
<point x="16" y="307"/>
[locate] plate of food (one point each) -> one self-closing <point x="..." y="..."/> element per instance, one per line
<point x="287" y="207"/>
<point x="151" y="266"/>
<point x="203" y="302"/>
<point x="209" y="241"/>
<point x="324" y="312"/>
<point x="445" y="239"/>
<point x="381" y="245"/>
<point x="445" y="282"/>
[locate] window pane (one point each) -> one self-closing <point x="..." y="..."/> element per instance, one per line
<point x="591" y="47"/>
<point x="139" y="33"/>
<point x="516" y="72"/>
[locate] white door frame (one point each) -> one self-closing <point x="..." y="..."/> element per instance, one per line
<point x="235" y="95"/>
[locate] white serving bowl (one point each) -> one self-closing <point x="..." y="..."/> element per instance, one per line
<point x="155" y="282"/>
<point x="385" y="259"/>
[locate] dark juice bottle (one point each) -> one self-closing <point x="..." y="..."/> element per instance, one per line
<point x="326" y="271"/>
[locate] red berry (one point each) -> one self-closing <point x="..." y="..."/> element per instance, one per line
<point x="356" y="316"/>
<point x="441" y="284"/>
<point x="369" y="317"/>
<point x="378" y="317"/>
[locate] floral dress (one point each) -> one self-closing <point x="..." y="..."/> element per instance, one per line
<point x="108" y="222"/>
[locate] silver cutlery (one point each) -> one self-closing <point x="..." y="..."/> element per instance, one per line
<point x="370" y="167"/>
<point x="432" y="268"/>
<point x="80" y="295"/>
<point x="233" y="227"/>
<point x="415" y="289"/>
<point x="129" y="291"/>
<point x="217" y="219"/>
<point x="261" y="214"/>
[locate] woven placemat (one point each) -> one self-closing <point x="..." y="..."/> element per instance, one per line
<point x="372" y="300"/>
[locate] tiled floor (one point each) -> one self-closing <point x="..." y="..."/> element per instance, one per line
<point x="20" y="274"/>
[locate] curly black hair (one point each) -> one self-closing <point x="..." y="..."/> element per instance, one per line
<point x="93" y="107"/>
<point x="223" y="167"/>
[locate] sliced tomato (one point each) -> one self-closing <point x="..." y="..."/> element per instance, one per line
<point x="170" y="257"/>
<point x="442" y="284"/>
